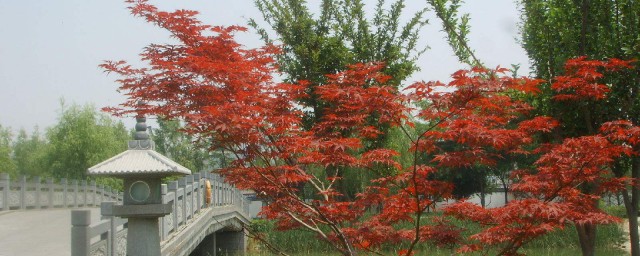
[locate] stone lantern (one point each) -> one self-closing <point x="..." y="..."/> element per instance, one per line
<point x="142" y="169"/>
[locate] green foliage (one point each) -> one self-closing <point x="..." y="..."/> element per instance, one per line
<point x="555" y="31"/>
<point x="29" y="153"/>
<point x="339" y="34"/>
<point x="609" y="236"/>
<point x="295" y="241"/>
<point x="615" y="210"/>
<point x="457" y="28"/>
<point x="82" y="138"/>
<point x="298" y="242"/>
<point x="180" y="147"/>
<point x="316" y="44"/>
<point x="6" y="164"/>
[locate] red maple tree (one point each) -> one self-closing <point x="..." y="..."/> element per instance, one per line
<point x="568" y="178"/>
<point x="227" y="96"/>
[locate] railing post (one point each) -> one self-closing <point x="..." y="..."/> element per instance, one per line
<point x="113" y="235"/>
<point x="65" y="192"/>
<point x="23" y="192"/>
<point x="173" y="187"/>
<point x="216" y="193"/>
<point x="80" y="234"/>
<point x="5" y="184"/>
<point x="84" y="193"/>
<point x="100" y="194"/>
<point x="38" y="182"/>
<point x="219" y="190"/>
<point x="109" y="195"/>
<point x="113" y="229"/>
<point x="197" y="182"/>
<point x="50" y="192"/>
<point x="191" y="181"/>
<point x="182" y="184"/>
<point x="164" y="230"/>
<point x="227" y="193"/>
<point x="75" y="193"/>
<point x="94" y="193"/>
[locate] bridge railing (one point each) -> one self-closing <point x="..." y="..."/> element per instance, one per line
<point x="36" y="193"/>
<point x="188" y="197"/>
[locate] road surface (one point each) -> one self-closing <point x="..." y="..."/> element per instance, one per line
<point x="38" y="232"/>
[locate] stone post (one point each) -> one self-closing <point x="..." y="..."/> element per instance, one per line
<point x="84" y="193"/>
<point x="38" y="184"/>
<point x="80" y="235"/>
<point x="23" y="192"/>
<point x="198" y="196"/>
<point x="65" y="192"/>
<point x="173" y="187"/>
<point x="50" y="192"/>
<point x="164" y="229"/>
<point x="100" y="193"/>
<point x="75" y="193"/>
<point x="183" y="184"/>
<point x="190" y="181"/>
<point x="5" y="184"/>
<point x="94" y="193"/>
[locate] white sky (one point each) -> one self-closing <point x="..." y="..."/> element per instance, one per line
<point x="51" y="50"/>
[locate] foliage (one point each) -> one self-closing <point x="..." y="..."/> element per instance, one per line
<point x="457" y="29"/>
<point x="556" y="31"/>
<point x="180" y="147"/>
<point x="226" y="94"/>
<point x="341" y="34"/>
<point x="82" y="138"/>
<point x="30" y="152"/>
<point x="568" y="176"/>
<point x="6" y="151"/>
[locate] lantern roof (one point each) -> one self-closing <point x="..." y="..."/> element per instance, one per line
<point x="139" y="159"/>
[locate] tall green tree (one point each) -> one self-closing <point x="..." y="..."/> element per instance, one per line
<point x="82" y="138"/>
<point x="554" y="31"/>
<point x="181" y="147"/>
<point x="342" y="33"/>
<point x="339" y="34"/>
<point x="30" y="152"/>
<point x="6" y="164"/>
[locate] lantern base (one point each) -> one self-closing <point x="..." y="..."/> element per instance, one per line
<point x="136" y="211"/>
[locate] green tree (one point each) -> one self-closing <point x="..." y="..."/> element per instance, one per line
<point x="340" y="34"/>
<point x="554" y="31"/>
<point x="180" y="147"/>
<point x="316" y="44"/>
<point x="29" y="153"/>
<point x="6" y="164"/>
<point x="82" y="138"/>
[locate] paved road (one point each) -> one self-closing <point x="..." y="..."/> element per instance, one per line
<point x="38" y="232"/>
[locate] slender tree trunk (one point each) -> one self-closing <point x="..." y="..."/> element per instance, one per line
<point x="482" y="195"/>
<point x="506" y="192"/>
<point x="631" y="206"/>
<point x="587" y="237"/>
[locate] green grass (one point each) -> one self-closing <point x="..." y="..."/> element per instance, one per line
<point x="560" y="242"/>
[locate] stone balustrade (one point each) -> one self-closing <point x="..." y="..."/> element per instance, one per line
<point x="36" y="193"/>
<point x="186" y="195"/>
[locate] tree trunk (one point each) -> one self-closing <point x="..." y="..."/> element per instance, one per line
<point x="587" y="237"/>
<point x="482" y="195"/>
<point x="631" y="206"/>
<point x="506" y="192"/>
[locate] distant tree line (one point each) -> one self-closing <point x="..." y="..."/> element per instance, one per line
<point x="81" y="138"/>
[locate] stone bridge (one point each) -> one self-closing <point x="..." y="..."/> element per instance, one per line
<point x="194" y="227"/>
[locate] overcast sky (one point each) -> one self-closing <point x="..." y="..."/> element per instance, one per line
<point x="51" y="50"/>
